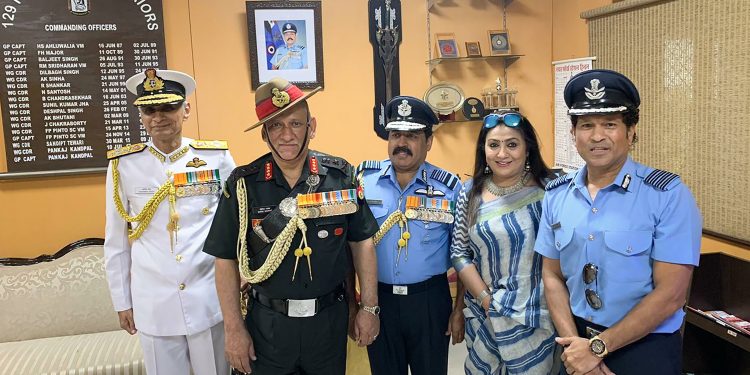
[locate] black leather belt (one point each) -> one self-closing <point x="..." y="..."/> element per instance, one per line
<point x="589" y="329"/>
<point x="406" y="289"/>
<point x="301" y="308"/>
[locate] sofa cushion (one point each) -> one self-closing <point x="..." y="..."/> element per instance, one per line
<point x="66" y="296"/>
<point x="112" y="353"/>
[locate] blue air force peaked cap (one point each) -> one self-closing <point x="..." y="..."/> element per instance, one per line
<point x="600" y="91"/>
<point x="407" y="113"/>
<point x="289" y="27"/>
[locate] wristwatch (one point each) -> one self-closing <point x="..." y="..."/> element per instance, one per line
<point x="374" y="310"/>
<point x="598" y="347"/>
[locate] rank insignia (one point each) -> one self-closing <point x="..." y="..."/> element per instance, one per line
<point x="125" y="150"/>
<point x="625" y="182"/>
<point x="196" y="163"/>
<point x="268" y="171"/>
<point x="209" y="145"/>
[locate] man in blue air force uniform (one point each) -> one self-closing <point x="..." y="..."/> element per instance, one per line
<point x="619" y="240"/>
<point x="413" y="202"/>
<point x="291" y="55"/>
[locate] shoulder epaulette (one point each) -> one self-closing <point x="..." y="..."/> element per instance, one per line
<point x="209" y="145"/>
<point x="125" y="150"/>
<point x="446" y="178"/>
<point x="333" y="162"/>
<point x="562" y="180"/>
<point x="660" y="179"/>
<point x="368" y="164"/>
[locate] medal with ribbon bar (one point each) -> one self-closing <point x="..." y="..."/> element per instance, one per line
<point x="192" y="183"/>
<point x="329" y="203"/>
<point x="430" y="209"/>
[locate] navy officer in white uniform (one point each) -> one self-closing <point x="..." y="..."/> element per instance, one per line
<point x="161" y="199"/>
<point x="619" y="240"/>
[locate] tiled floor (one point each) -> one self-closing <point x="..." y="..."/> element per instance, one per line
<point x="357" y="363"/>
<point x="456" y="357"/>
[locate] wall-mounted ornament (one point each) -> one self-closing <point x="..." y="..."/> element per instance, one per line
<point x="385" y="36"/>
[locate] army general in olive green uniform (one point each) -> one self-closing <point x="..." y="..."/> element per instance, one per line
<point x="286" y="220"/>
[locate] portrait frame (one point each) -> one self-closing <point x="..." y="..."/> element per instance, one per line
<point x="473" y="49"/>
<point x="304" y="64"/>
<point x="446" y="45"/>
<point x="499" y="42"/>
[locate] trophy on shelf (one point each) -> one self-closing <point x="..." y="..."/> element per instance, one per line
<point x="499" y="98"/>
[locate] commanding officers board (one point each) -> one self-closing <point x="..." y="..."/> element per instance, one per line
<point x="64" y="62"/>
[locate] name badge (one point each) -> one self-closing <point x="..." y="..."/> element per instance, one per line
<point x="401" y="290"/>
<point x="143" y="190"/>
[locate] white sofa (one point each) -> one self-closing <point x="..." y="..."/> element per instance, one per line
<point x="56" y="316"/>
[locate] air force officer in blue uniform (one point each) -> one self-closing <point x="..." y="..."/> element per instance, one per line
<point x="619" y="240"/>
<point x="413" y="202"/>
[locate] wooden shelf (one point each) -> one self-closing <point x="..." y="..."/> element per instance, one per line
<point x="718" y="329"/>
<point x="509" y="59"/>
<point x="432" y="3"/>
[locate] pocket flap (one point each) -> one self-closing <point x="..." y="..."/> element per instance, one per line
<point x="629" y="242"/>
<point x="563" y="237"/>
<point x="379" y="211"/>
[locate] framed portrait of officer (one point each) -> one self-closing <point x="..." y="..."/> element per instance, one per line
<point x="285" y="40"/>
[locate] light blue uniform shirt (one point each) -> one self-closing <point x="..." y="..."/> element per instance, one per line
<point x="294" y="57"/>
<point x="645" y="215"/>
<point x="428" y="248"/>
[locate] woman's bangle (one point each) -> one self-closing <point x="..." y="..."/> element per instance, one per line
<point x="484" y="294"/>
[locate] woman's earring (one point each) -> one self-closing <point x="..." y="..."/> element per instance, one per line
<point x="527" y="167"/>
<point x="487" y="169"/>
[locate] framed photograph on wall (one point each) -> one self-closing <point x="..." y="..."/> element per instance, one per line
<point x="446" y="45"/>
<point x="473" y="49"/>
<point x="499" y="42"/>
<point x="286" y="41"/>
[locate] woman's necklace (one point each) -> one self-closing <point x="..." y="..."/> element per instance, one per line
<point x="499" y="191"/>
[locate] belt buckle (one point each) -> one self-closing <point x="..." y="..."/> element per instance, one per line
<point x="301" y="308"/>
<point x="590" y="332"/>
<point x="401" y="290"/>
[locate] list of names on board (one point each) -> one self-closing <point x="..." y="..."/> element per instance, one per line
<point x="65" y="62"/>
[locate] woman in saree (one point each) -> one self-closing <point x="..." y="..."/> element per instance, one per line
<point x="508" y="327"/>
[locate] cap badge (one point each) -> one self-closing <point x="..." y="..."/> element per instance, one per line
<point x="280" y="98"/>
<point x="289" y="26"/>
<point x="404" y="109"/>
<point x="152" y="81"/>
<point x="594" y="93"/>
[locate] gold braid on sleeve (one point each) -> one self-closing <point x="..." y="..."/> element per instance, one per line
<point x="279" y="249"/>
<point x="144" y="217"/>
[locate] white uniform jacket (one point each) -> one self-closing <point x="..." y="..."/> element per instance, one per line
<point x="171" y="293"/>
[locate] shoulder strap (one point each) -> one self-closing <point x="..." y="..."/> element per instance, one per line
<point x="446" y="178"/>
<point x="660" y="179"/>
<point x="125" y="150"/>
<point x="560" y="181"/>
<point x="209" y="145"/>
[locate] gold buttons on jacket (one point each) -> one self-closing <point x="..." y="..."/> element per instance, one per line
<point x="178" y="258"/>
<point x="182" y="286"/>
<point x="205" y="211"/>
